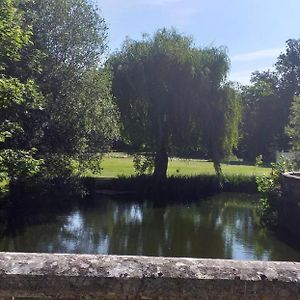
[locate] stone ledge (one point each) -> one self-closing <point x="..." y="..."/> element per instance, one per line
<point x="137" y="277"/>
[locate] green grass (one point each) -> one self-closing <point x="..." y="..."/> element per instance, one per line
<point x="122" y="165"/>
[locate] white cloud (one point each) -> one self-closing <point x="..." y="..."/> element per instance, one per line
<point x="255" y="55"/>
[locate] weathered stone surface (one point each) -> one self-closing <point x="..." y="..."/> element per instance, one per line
<point x="129" y="277"/>
<point x="291" y="185"/>
<point x="289" y="212"/>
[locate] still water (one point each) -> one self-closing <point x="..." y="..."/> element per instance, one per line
<point x="223" y="226"/>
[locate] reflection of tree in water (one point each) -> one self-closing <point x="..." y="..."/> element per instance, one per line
<point x="243" y="233"/>
<point x="167" y="231"/>
<point x="219" y="228"/>
<point x="24" y="235"/>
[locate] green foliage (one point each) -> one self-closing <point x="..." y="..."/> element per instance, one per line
<point x="270" y="189"/>
<point x="262" y="118"/>
<point x="80" y="119"/>
<point x="293" y="129"/>
<point x="150" y="84"/>
<point x="267" y="103"/>
<point x="220" y="116"/>
<point x="259" y="160"/>
<point x="13" y="37"/>
<point x="143" y="164"/>
<point x="288" y="68"/>
<point x="55" y="97"/>
<point x="19" y="100"/>
<point x="173" y="97"/>
<point x="19" y="164"/>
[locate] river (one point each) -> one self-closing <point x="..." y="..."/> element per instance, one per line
<point x="222" y="226"/>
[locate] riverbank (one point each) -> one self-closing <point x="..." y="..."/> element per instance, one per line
<point x="186" y="178"/>
<point x="173" y="189"/>
<point x="59" y="194"/>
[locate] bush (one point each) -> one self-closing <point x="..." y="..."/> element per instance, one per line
<point x="270" y="189"/>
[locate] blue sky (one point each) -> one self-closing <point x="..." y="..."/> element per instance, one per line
<point x="254" y="31"/>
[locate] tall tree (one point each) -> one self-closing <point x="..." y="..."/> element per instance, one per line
<point x="293" y="128"/>
<point x="80" y="118"/>
<point x="19" y="99"/>
<point x="267" y="102"/>
<point x="288" y="67"/>
<point x="288" y="70"/>
<point x="262" y="121"/>
<point x="149" y="86"/>
<point x="168" y="92"/>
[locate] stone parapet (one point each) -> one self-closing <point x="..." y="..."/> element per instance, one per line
<point x="289" y="210"/>
<point x="290" y="182"/>
<point x="74" y="276"/>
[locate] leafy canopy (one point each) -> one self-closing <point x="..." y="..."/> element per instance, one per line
<point x="173" y="97"/>
<point x="80" y="120"/>
<point x="19" y="99"/>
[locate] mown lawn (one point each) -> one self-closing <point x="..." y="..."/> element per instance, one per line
<point x="122" y="165"/>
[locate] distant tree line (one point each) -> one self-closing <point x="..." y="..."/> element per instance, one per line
<point x="64" y="102"/>
<point x="270" y="109"/>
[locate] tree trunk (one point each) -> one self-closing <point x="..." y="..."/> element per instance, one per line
<point x="161" y="165"/>
<point x="218" y="169"/>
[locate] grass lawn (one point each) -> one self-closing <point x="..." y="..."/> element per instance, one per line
<point x="122" y="165"/>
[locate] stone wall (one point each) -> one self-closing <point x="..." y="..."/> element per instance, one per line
<point x="129" y="277"/>
<point x="289" y="212"/>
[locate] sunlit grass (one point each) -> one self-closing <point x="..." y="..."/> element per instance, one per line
<point x="121" y="165"/>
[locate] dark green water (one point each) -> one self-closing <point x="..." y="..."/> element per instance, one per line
<point x="224" y="226"/>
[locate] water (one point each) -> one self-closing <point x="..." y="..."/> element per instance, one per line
<point x="224" y="226"/>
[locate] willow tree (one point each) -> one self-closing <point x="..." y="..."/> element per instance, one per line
<point x="217" y="107"/>
<point x="169" y="94"/>
<point x="219" y="124"/>
<point x="150" y="84"/>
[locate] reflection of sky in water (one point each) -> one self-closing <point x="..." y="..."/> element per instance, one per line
<point x="135" y="215"/>
<point x="74" y="235"/>
<point x="74" y="222"/>
<point x="103" y="246"/>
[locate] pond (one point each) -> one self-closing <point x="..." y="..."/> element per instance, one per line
<point x="222" y="226"/>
